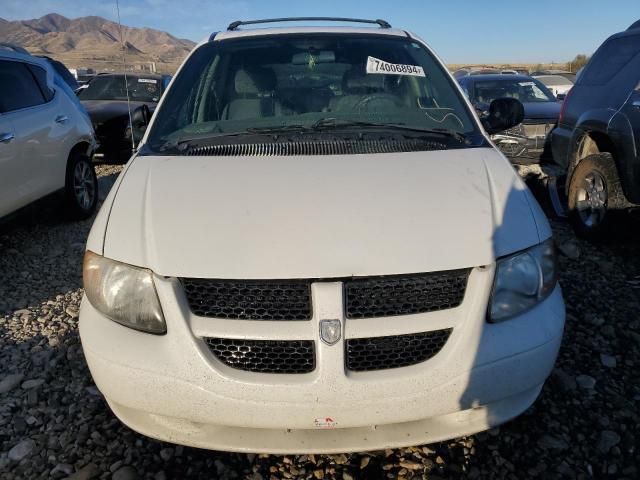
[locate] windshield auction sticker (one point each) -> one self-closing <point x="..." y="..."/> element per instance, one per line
<point x="147" y="80"/>
<point x="377" y="66"/>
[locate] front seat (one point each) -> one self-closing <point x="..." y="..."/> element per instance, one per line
<point x="254" y="96"/>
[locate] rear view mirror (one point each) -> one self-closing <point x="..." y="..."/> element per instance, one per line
<point x="306" y="58"/>
<point x="504" y="113"/>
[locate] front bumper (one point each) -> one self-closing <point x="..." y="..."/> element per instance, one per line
<point x="526" y="143"/>
<point x="112" y="150"/>
<point x="172" y="388"/>
<point x="287" y="441"/>
<point x="114" y="141"/>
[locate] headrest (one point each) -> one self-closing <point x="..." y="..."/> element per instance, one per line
<point x="254" y="81"/>
<point x="357" y="81"/>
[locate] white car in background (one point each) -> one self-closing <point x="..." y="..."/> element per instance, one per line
<point x="46" y="138"/>
<point x="317" y="248"/>
<point x="558" y="84"/>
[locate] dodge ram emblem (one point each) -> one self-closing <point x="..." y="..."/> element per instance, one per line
<point x="330" y="331"/>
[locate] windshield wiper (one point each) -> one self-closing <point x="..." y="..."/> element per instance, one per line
<point x="278" y="129"/>
<point x="324" y="124"/>
<point x="183" y="143"/>
<point x="333" y="123"/>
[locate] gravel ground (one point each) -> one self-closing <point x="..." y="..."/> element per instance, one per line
<point x="55" y="424"/>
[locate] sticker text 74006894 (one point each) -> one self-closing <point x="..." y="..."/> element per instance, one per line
<point x="377" y="66"/>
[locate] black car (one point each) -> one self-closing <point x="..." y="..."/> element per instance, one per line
<point x="105" y="99"/>
<point x="467" y="71"/>
<point x="528" y="142"/>
<point x="597" y="139"/>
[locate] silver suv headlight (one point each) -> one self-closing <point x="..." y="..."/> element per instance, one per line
<point x="523" y="280"/>
<point x="123" y="293"/>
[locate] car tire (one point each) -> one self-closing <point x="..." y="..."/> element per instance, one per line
<point x="81" y="187"/>
<point x="595" y="196"/>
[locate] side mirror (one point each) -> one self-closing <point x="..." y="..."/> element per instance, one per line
<point x="503" y="113"/>
<point x="140" y="118"/>
<point x="561" y="96"/>
<point x="139" y="121"/>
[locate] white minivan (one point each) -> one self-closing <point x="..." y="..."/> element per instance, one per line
<point x="317" y="249"/>
<point x="46" y="138"/>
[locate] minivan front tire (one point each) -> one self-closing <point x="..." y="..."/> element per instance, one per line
<point x="595" y="196"/>
<point x="81" y="187"/>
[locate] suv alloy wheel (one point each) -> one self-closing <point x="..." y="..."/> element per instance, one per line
<point x="81" y="187"/>
<point x="595" y="194"/>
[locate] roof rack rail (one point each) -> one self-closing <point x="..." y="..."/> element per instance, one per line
<point x="234" y="25"/>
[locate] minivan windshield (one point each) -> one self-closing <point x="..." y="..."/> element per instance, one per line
<point x="293" y="81"/>
<point x="113" y="87"/>
<point x="527" y="90"/>
<point x="555" y="80"/>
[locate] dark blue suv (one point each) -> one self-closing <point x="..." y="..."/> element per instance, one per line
<point x="597" y="139"/>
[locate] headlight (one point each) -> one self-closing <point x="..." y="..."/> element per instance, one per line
<point x="123" y="293"/>
<point x="522" y="281"/>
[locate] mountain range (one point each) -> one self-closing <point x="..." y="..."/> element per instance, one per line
<point x="93" y="41"/>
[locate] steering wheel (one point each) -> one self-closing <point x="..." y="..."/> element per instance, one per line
<point x="365" y="102"/>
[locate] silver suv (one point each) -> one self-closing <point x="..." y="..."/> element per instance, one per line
<point x="46" y="138"/>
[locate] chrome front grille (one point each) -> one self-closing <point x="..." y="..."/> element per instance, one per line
<point x="526" y="140"/>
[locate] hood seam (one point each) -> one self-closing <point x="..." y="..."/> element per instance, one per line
<point x="491" y="195"/>
<point x="493" y="201"/>
<point x="533" y="216"/>
<point x="115" y="195"/>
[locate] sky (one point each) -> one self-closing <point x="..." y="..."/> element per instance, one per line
<point x="460" y="31"/>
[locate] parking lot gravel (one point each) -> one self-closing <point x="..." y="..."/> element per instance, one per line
<point x="54" y="422"/>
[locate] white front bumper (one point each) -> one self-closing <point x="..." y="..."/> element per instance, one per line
<point x="172" y="388"/>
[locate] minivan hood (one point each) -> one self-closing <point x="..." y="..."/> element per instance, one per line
<point x="319" y="216"/>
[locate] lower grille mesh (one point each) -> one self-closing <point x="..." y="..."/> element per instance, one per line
<point x="265" y="356"/>
<point x="379" y="353"/>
